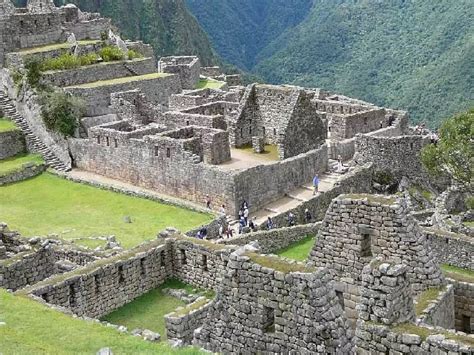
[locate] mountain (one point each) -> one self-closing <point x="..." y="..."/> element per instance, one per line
<point x="165" y="24"/>
<point x="408" y="54"/>
<point x="241" y="29"/>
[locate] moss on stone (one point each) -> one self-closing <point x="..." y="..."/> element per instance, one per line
<point x="57" y="46"/>
<point x="425" y="333"/>
<point x="122" y="80"/>
<point x="458" y="274"/>
<point x="426" y="297"/>
<point x="383" y="200"/>
<point x="190" y="307"/>
<point x="278" y="264"/>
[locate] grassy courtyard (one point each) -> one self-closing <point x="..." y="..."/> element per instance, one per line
<point x="50" y="205"/>
<point x="148" y="311"/>
<point x="7" y="125"/>
<point x="31" y="328"/>
<point x="298" y="251"/>
<point x="10" y="165"/>
<point x="209" y="84"/>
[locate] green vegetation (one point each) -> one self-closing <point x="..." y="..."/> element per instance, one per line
<point x="270" y="152"/>
<point x="117" y="81"/>
<point x="190" y="307"/>
<point x="454" y="153"/>
<point x="209" y="84"/>
<point x="57" y="46"/>
<point x="68" y="61"/>
<point x="16" y="163"/>
<point x="425" y="333"/>
<point x="425" y="298"/>
<point x="61" y="111"/>
<point x="48" y="204"/>
<point x="457" y="273"/>
<point x="148" y="310"/>
<point x="298" y="251"/>
<point x="27" y="320"/>
<point x="7" y="125"/>
<point x="167" y="25"/>
<point x="278" y="264"/>
<point x="416" y="189"/>
<point x="412" y="55"/>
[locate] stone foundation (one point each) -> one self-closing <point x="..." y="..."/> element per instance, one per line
<point x="11" y="144"/>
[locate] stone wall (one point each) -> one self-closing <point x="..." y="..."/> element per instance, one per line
<point x="108" y="284"/>
<point x="265" y="310"/>
<point x="27" y="171"/>
<point x="97" y="98"/>
<point x="450" y="248"/>
<point x="440" y="311"/>
<point x="398" y="155"/>
<point x="101" y="71"/>
<point x="182" y="323"/>
<point x="11" y="143"/>
<point x="347" y="126"/>
<point x="187" y="68"/>
<point x="463" y="305"/>
<point x="271" y="241"/>
<point x="266" y="183"/>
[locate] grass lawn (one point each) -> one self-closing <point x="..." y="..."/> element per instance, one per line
<point x="7" y="125"/>
<point x="148" y="311"/>
<point x="32" y="328"/>
<point x="55" y="46"/>
<point x="270" y="153"/>
<point x="9" y="165"/>
<point x="457" y="273"/>
<point x="298" y="251"/>
<point x="209" y="84"/>
<point x="425" y="298"/>
<point x="126" y="79"/>
<point x="48" y="204"/>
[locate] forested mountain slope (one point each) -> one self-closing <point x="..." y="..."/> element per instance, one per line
<point x="241" y="29"/>
<point x="165" y="24"/>
<point x="409" y="54"/>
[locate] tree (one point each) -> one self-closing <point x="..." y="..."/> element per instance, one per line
<point x="61" y="112"/>
<point x="454" y="152"/>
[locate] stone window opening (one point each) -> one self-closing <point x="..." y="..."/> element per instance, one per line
<point x="168" y="152"/>
<point x="108" y="141"/>
<point x="115" y="143"/>
<point x="411" y="146"/>
<point x="162" y="259"/>
<point x="120" y="272"/>
<point x="268" y="320"/>
<point x="98" y="139"/>
<point x="263" y="131"/>
<point x="466" y="324"/>
<point x="72" y="296"/>
<point x="447" y="241"/>
<point x="241" y="133"/>
<point x="340" y="298"/>
<point x="366" y="246"/>
<point x="156" y="151"/>
<point x="183" y="257"/>
<point x="204" y="263"/>
<point x="142" y="267"/>
<point x="96" y="283"/>
<point x="274" y="131"/>
<point x="44" y="297"/>
<point x="187" y="123"/>
<point x="250" y="130"/>
<point x="49" y="21"/>
<point x="365" y="120"/>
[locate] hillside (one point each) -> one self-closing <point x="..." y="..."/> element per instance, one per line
<point x="165" y="24"/>
<point x="413" y="55"/>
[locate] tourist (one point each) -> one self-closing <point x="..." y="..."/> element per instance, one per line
<point x="221" y="231"/>
<point x="252" y="225"/>
<point x="340" y="166"/>
<point x="315" y="184"/>
<point x="241" y="228"/>
<point x="269" y="223"/>
<point x="222" y="210"/>
<point x="208" y="202"/>
<point x="246" y="216"/>
<point x="307" y="216"/>
<point x="229" y="232"/>
<point x="291" y="219"/>
<point x="245" y="205"/>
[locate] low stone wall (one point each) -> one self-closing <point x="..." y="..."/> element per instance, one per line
<point x="271" y="241"/>
<point x="11" y="144"/>
<point x="97" y="98"/>
<point x="26" y="172"/>
<point x="450" y="248"/>
<point x="105" y="285"/>
<point x="102" y="71"/>
<point x="440" y="312"/>
<point x="182" y="323"/>
<point x="379" y="339"/>
<point x="463" y="305"/>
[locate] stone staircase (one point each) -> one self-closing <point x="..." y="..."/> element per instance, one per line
<point x="9" y="110"/>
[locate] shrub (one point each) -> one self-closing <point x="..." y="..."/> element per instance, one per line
<point x="134" y="54"/>
<point x="68" y="61"/>
<point x="33" y="74"/>
<point x="111" y="53"/>
<point x="470" y="203"/>
<point x="61" y="112"/>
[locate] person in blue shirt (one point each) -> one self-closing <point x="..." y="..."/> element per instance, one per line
<point x="315" y="184"/>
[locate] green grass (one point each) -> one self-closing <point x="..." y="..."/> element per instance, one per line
<point x="425" y="333"/>
<point x="90" y="243"/>
<point x="457" y="273"/>
<point x="10" y="165"/>
<point x="427" y="195"/>
<point x="425" y="298"/>
<point x="49" y="204"/>
<point x="7" y="125"/>
<point x="270" y="153"/>
<point x="469" y="224"/>
<point x="298" y="251"/>
<point x="209" y="84"/>
<point x="32" y="328"/>
<point x="148" y="311"/>
<point x="122" y="80"/>
<point x="278" y="264"/>
<point x="52" y="47"/>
